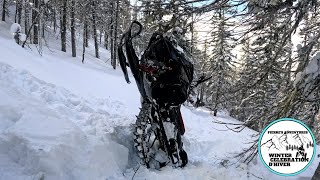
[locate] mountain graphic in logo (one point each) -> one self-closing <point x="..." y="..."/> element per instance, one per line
<point x="288" y="142"/>
<point x="273" y="143"/>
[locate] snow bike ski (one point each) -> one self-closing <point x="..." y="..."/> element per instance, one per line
<point x="163" y="76"/>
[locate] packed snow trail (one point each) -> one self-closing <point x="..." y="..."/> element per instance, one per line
<point x="60" y="119"/>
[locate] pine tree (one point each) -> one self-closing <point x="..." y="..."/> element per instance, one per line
<point x="266" y="73"/>
<point x="221" y="61"/>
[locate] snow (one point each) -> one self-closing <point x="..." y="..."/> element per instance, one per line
<point x="39" y="132"/>
<point x="22" y="37"/>
<point x="314" y="65"/>
<point x="178" y="30"/>
<point x="15" y="27"/>
<point x="61" y="119"/>
<point x="311" y="72"/>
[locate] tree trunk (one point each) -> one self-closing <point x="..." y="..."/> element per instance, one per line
<point x="19" y="11"/>
<point x="106" y="37"/>
<point x="114" y="63"/>
<point x="73" y="30"/>
<point x="201" y="94"/>
<point x="43" y="24"/>
<point x="87" y="34"/>
<point x="35" y="19"/>
<point x="84" y="40"/>
<point x="16" y="13"/>
<point x="26" y="20"/>
<point x="215" y="107"/>
<point x="202" y="85"/>
<point x="4" y="10"/>
<point x="17" y="16"/>
<point x="316" y="175"/>
<point x="95" y="36"/>
<point x="100" y="36"/>
<point x="54" y="20"/>
<point x="63" y="27"/>
<point x="111" y="34"/>
<point x="192" y="33"/>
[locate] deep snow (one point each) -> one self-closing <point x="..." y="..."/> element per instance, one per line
<point x="61" y="119"/>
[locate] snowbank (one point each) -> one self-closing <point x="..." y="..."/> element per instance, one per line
<point x="15" y="27"/>
<point x="39" y="132"/>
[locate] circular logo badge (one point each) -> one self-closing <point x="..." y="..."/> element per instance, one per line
<point x="287" y="147"/>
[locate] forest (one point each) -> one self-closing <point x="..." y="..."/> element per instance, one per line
<point x="263" y="55"/>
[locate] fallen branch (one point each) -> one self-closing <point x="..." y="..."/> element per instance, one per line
<point x="135" y="172"/>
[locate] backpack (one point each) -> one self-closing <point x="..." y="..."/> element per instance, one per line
<point x="173" y="74"/>
<point x="164" y="72"/>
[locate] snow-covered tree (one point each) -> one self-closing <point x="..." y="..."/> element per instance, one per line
<point x="220" y="63"/>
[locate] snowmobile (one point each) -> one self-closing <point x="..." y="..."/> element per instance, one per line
<point x="163" y="74"/>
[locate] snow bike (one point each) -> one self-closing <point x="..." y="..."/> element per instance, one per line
<point x="163" y="76"/>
